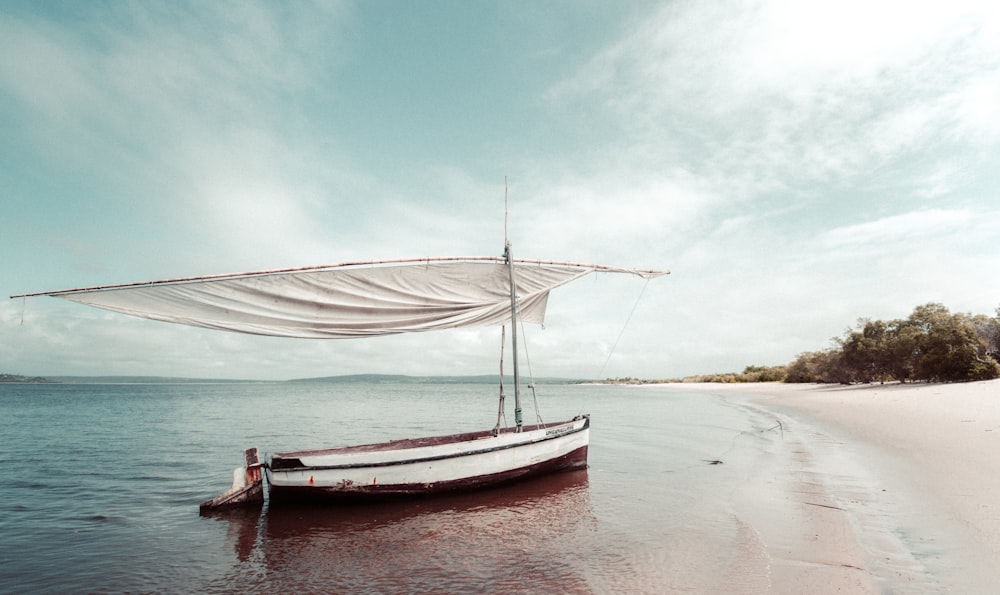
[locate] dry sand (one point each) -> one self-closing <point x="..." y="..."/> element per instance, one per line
<point x="889" y="488"/>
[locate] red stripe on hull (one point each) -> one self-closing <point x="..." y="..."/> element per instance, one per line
<point x="576" y="459"/>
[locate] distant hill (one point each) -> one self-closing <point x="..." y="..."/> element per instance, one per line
<point x="402" y="379"/>
<point x="345" y="379"/>
<point x="144" y="380"/>
<point x="25" y="379"/>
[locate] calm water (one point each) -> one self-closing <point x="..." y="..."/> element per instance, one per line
<point x="102" y="486"/>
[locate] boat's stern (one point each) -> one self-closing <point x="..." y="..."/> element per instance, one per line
<point x="247" y="489"/>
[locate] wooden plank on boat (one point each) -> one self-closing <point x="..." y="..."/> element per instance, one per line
<point x="249" y="495"/>
<point x="247" y="490"/>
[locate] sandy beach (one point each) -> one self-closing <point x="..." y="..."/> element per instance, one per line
<point x="880" y="488"/>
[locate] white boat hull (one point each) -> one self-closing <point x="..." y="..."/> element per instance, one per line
<point x="429" y="465"/>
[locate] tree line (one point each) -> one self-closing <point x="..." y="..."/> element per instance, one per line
<point x="932" y="345"/>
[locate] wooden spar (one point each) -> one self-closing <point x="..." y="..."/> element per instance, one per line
<point x="501" y="260"/>
<point x="513" y="336"/>
<point x="248" y="486"/>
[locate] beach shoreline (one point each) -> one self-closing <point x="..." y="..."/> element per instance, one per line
<point x="892" y="487"/>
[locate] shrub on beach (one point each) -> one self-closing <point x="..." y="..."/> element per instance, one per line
<point x="750" y="374"/>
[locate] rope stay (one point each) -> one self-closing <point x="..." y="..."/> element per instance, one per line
<point x="531" y="375"/>
<point x="501" y="415"/>
<point x="506" y="212"/>
<point x="614" y="346"/>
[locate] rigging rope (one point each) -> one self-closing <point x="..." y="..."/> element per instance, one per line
<point x="506" y="212"/>
<point x="622" y="332"/>
<point x="500" y="411"/>
<point x="531" y="374"/>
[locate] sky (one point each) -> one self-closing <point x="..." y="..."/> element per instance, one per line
<point x="796" y="166"/>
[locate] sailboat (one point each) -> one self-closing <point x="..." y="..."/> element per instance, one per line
<point x="368" y="299"/>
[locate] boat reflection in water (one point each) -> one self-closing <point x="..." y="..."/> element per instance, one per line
<point x="532" y="536"/>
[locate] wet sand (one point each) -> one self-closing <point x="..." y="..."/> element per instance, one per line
<point x="877" y="488"/>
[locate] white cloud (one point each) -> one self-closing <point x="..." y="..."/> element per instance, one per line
<point x="757" y="96"/>
<point x="977" y="106"/>
<point x="621" y="215"/>
<point x="905" y="227"/>
<point x="804" y="45"/>
<point x="183" y="114"/>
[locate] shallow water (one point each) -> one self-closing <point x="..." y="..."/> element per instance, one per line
<point x="104" y="481"/>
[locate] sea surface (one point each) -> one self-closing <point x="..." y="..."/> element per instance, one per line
<point x="102" y="484"/>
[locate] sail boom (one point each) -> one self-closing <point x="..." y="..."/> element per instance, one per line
<point x="348" y="300"/>
<point x="644" y="273"/>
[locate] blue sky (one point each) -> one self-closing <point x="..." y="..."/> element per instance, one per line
<point x="796" y="166"/>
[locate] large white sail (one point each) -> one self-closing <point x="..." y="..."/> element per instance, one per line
<point x="347" y="301"/>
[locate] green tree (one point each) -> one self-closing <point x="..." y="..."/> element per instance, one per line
<point x="865" y="351"/>
<point x="803" y="368"/>
<point x="950" y="348"/>
<point x="819" y="366"/>
<point x="988" y="332"/>
<point x="902" y="348"/>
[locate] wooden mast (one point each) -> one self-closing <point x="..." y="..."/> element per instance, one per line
<point x="513" y="310"/>
<point x="513" y="335"/>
